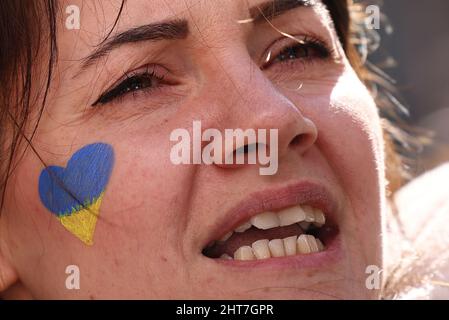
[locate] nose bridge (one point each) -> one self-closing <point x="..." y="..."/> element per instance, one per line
<point x="247" y="99"/>
<point x="245" y="92"/>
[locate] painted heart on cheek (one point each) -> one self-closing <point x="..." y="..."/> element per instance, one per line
<point x="74" y="194"/>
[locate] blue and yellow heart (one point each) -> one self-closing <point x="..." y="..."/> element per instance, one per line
<point x="74" y="193"/>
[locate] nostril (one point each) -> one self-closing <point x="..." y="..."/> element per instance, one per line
<point x="246" y="149"/>
<point x="297" y="140"/>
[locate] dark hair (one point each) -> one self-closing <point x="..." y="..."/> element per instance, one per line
<point x="27" y="33"/>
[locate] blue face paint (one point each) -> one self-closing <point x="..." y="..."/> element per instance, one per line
<point x="74" y="193"/>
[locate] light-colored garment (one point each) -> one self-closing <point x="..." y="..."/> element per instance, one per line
<point x="423" y="207"/>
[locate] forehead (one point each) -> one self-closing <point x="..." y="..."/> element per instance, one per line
<point x="98" y="17"/>
<point x="106" y="11"/>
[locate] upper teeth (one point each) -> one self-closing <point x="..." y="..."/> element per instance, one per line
<point x="304" y="215"/>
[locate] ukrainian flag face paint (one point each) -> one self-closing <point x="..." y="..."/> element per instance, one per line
<point x="74" y="193"/>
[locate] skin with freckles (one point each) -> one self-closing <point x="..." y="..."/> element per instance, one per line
<point x="156" y="217"/>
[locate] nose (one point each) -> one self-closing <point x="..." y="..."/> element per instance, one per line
<point x="279" y="124"/>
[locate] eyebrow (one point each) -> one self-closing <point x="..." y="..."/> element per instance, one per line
<point x="273" y="8"/>
<point x="179" y="29"/>
<point x="168" y="30"/>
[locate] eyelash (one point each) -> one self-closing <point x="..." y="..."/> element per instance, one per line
<point x="288" y="53"/>
<point x="144" y="81"/>
<point x="133" y="82"/>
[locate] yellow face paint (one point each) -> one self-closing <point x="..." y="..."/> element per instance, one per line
<point x="82" y="223"/>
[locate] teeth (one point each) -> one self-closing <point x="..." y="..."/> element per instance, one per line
<point x="290" y="245"/>
<point x="320" y="219"/>
<point x="277" y="248"/>
<point x="264" y="249"/>
<point x="243" y="227"/>
<point x="291" y="215"/>
<point x="244" y="253"/>
<point x="266" y="220"/>
<point x="305" y="216"/>
<point x="303" y="245"/>
<point x="309" y="244"/>
<point x="261" y="249"/>
<point x="312" y="243"/>
<point x="226" y="237"/>
<point x="310" y="214"/>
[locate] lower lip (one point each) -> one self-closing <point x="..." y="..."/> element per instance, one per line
<point x="332" y="254"/>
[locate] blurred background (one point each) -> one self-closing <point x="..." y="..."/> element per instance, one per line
<point x="420" y="45"/>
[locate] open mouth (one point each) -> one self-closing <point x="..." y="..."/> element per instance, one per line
<point x="291" y="231"/>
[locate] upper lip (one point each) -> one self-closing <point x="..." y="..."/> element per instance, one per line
<point x="300" y="193"/>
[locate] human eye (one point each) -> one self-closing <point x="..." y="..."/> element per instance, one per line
<point x="292" y="50"/>
<point x="145" y="80"/>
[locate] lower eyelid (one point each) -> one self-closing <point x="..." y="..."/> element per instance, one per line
<point x="163" y="95"/>
<point x="299" y="70"/>
<point x="156" y="72"/>
<point x="137" y="94"/>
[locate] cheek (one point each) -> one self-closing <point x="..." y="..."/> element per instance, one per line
<point x="352" y="149"/>
<point x="352" y="137"/>
<point x="357" y="136"/>
<point x="148" y="196"/>
<point x="142" y="215"/>
<point x="349" y="136"/>
<point x="146" y="189"/>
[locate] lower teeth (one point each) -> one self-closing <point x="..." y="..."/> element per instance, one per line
<point x="265" y="249"/>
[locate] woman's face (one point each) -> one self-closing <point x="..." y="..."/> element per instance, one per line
<point x="229" y="65"/>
